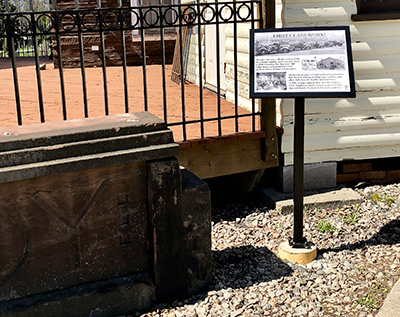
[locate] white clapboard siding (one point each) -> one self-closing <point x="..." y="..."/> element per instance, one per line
<point x="355" y="153"/>
<point x="374" y="30"/>
<point x="193" y="69"/>
<point x="314" y="12"/>
<point x="355" y="128"/>
<point x="242" y="55"/>
<point x="375" y="47"/>
<point x="319" y="125"/>
<point x="364" y="103"/>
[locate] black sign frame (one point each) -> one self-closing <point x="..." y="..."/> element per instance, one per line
<point x="297" y="34"/>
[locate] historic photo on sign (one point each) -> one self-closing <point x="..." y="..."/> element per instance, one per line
<point x="311" y="61"/>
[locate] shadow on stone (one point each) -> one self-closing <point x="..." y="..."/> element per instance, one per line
<point x="233" y="188"/>
<point x="389" y="234"/>
<point x="245" y="266"/>
<point x="237" y="268"/>
<point x="237" y="210"/>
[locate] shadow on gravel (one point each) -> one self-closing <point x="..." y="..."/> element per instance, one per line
<point x="237" y="268"/>
<point x="244" y="266"/>
<point x="232" y="211"/>
<point x="389" y="234"/>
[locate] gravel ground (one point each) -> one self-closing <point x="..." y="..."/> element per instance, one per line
<point x="358" y="261"/>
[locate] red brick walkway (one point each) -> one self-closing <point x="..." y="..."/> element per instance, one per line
<point x="73" y="87"/>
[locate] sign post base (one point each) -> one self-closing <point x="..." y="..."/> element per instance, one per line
<point x="298" y="255"/>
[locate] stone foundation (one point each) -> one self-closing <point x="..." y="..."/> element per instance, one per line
<point x="94" y="218"/>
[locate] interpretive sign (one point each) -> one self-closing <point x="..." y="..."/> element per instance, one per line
<point x="301" y="62"/>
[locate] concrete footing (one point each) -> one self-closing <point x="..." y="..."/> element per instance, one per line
<point x="317" y="176"/>
<point x="298" y="255"/>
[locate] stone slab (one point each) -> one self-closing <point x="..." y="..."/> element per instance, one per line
<point x="164" y="209"/>
<point x="68" y="229"/>
<point x="76" y="145"/>
<point x="50" y="133"/>
<point x="196" y="233"/>
<point x="328" y="199"/>
<point x="113" y="297"/>
<point x="391" y="305"/>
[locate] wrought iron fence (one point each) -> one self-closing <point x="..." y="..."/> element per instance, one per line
<point x="128" y="24"/>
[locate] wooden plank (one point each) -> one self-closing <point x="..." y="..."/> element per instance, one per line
<point x="268" y="105"/>
<point x="225" y="156"/>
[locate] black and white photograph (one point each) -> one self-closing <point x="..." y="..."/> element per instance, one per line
<point x="295" y="61"/>
<point x="268" y="81"/>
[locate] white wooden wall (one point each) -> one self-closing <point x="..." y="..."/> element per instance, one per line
<point x="243" y="32"/>
<point x="361" y="128"/>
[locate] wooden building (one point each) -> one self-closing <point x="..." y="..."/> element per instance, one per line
<point x="337" y="130"/>
<point x="70" y="49"/>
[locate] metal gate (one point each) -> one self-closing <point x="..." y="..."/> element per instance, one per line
<point x="108" y="35"/>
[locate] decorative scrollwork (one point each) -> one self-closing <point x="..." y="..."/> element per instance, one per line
<point x="67" y="22"/>
<point x="150" y="17"/>
<point x="89" y="21"/>
<point x="21" y="24"/>
<point x="131" y="19"/>
<point x="110" y="20"/>
<point x="207" y="10"/>
<point x="44" y="23"/>
<point x="126" y="18"/>
<point x="223" y="13"/>
<point x="247" y="9"/>
<point x="189" y="15"/>
<point x="172" y="14"/>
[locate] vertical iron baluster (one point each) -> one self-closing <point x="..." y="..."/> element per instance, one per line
<point x="103" y="58"/>
<point x="123" y="54"/>
<point x="10" y="42"/>
<point x="182" y="74"/>
<point x="143" y="49"/>
<point x="82" y="59"/>
<point x="235" y="63"/>
<point x="164" y="85"/>
<point x="253" y="103"/>
<point x="34" y="25"/>
<point x="217" y="40"/>
<point x="200" y="70"/>
<point x="60" y="62"/>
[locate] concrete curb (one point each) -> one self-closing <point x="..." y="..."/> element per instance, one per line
<point x="329" y="199"/>
<point x="391" y="306"/>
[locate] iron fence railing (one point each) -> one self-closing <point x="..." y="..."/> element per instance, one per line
<point x="125" y="22"/>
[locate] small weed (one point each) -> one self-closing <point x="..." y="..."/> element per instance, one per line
<point x="388" y="200"/>
<point x="324" y="227"/>
<point x="375" y="198"/>
<point x="360" y="269"/>
<point x="378" y="288"/>
<point x="353" y="217"/>
<point x="368" y="301"/>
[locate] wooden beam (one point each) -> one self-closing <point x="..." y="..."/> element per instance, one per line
<point x="268" y="105"/>
<point x="213" y="157"/>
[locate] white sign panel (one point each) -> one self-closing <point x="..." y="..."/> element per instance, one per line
<point x="301" y="62"/>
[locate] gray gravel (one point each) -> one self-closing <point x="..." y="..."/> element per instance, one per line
<point x="358" y="261"/>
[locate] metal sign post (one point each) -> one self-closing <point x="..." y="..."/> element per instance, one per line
<point x="299" y="63"/>
<point x="298" y="174"/>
